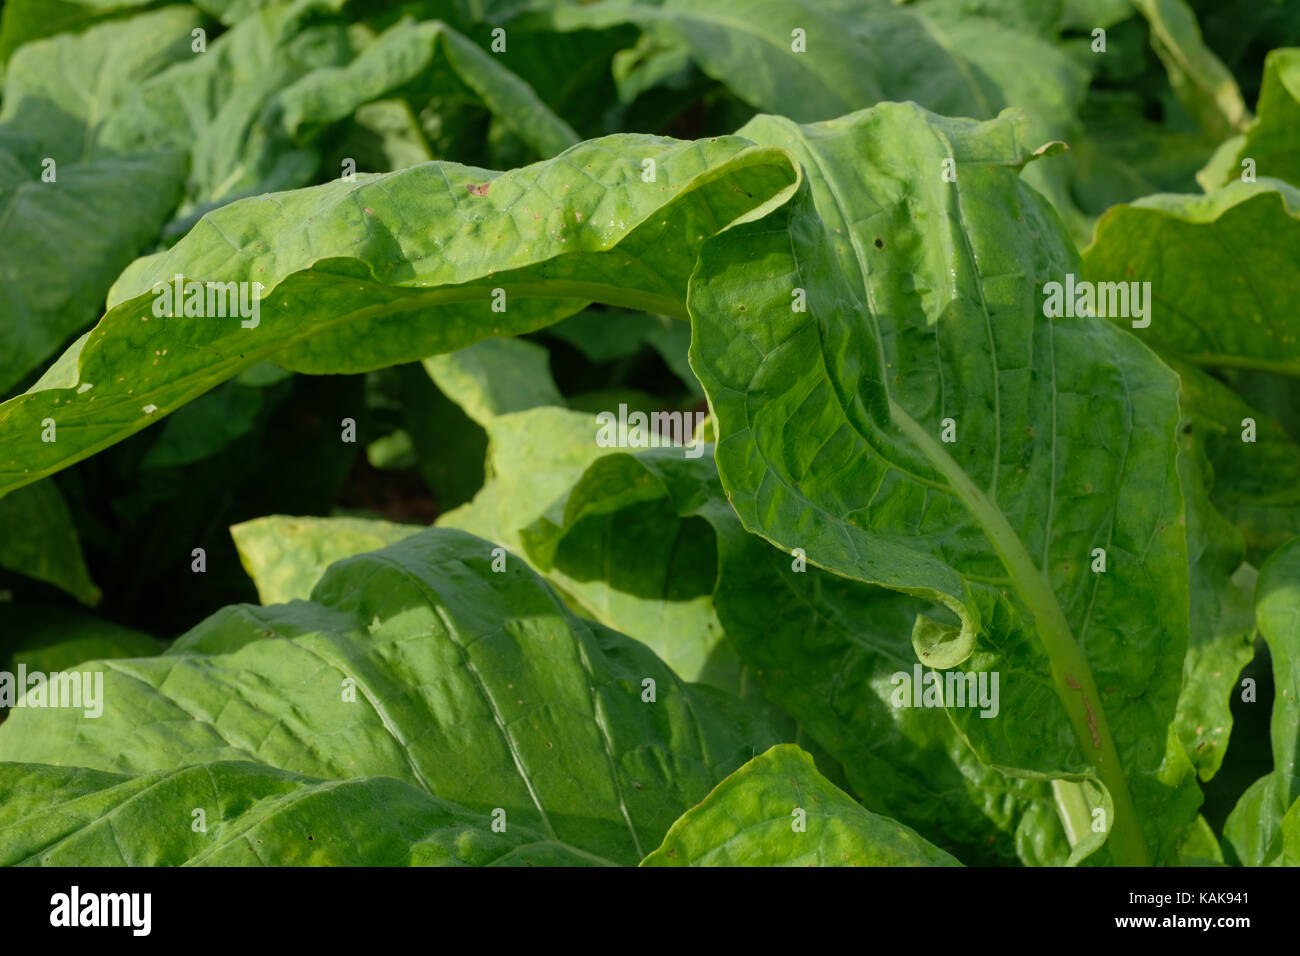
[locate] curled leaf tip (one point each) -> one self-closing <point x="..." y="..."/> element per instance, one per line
<point x="942" y="645"/>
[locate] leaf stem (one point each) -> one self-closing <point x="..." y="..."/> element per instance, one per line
<point x="1070" y="671"/>
<point x="1246" y="362"/>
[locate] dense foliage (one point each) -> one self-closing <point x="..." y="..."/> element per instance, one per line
<point x="663" y="432"/>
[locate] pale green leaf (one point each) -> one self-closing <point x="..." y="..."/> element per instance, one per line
<point x="1272" y="141"/>
<point x="1219" y="268"/>
<point x="753" y="819"/>
<point x="495" y="377"/>
<point x="285" y="556"/>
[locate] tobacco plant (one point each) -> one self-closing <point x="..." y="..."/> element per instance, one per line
<point x="906" y="477"/>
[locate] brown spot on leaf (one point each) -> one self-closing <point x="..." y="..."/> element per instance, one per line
<point x="479" y="189"/>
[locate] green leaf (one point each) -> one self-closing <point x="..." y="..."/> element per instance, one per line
<point x="419" y="663"/>
<point x="1291" y="836"/>
<point x="1222" y="586"/>
<point x="422" y="60"/>
<point x="1256" y="828"/>
<point x="635" y="540"/>
<point x="74" y="213"/>
<point x="665" y="609"/>
<point x="221" y="107"/>
<point x="1256" y="484"/>
<point x="380" y="137"/>
<point x="1220" y="298"/>
<point x="829" y="651"/>
<point x="253" y="815"/>
<point x="1200" y="80"/>
<point x="48" y="638"/>
<point x="62" y="244"/>
<point x="660" y="593"/>
<point x="64" y="111"/>
<point x="207" y="425"/>
<point x="286" y="556"/>
<point x="445" y="403"/>
<point x="857" y="53"/>
<point x="861" y="52"/>
<point x="603" y="336"/>
<point x="38" y="539"/>
<point x="22" y="21"/>
<point x="750" y="819"/>
<point x="393" y="268"/>
<point x="1090" y="14"/>
<point x="232" y="11"/>
<point x="1044" y="19"/>
<point x="535" y="459"/>
<point x="449" y="446"/>
<point x="495" y="377"/>
<point x="1122" y="155"/>
<point x="925" y="317"/>
<point x="1271" y="141"/>
<point x="1201" y="848"/>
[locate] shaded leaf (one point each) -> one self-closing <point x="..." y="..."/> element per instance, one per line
<point x="220" y="106"/>
<point x="1221" y="640"/>
<point x="861" y="52"/>
<point x="473" y="687"/>
<point x="422" y="60"/>
<point x="47" y="638"/>
<point x="1200" y="80"/>
<point x="1257" y="828"/>
<point x="64" y="241"/>
<point x="38" y="540"/>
